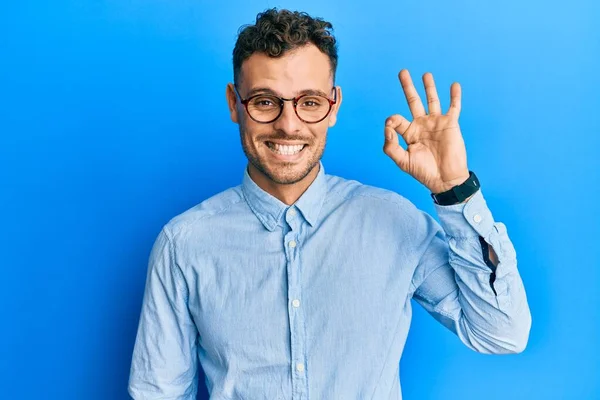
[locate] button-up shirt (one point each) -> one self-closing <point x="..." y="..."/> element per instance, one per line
<point x="313" y="300"/>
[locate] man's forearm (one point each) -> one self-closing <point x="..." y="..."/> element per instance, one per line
<point x="484" y="290"/>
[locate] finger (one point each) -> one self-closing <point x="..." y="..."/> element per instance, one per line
<point x="393" y="149"/>
<point x="433" y="101"/>
<point x="455" y="100"/>
<point x="412" y="97"/>
<point x="400" y="125"/>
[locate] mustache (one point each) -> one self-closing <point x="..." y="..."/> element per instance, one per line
<point x="285" y="137"/>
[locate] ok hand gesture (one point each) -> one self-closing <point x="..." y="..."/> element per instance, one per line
<point x="436" y="155"/>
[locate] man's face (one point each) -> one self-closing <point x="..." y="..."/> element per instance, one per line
<point x="302" y="69"/>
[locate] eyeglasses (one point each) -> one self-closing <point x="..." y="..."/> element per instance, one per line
<point x="266" y="108"/>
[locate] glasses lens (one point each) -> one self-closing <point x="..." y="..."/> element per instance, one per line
<point x="264" y="108"/>
<point x="312" y="108"/>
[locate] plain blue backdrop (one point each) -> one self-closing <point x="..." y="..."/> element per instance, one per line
<point x="113" y="120"/>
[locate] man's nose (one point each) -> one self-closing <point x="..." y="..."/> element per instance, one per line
<point x="288" y="121"/>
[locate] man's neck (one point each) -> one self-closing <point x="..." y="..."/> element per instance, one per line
<point x="287" y="194"/>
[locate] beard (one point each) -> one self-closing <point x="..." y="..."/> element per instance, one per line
<point x="284" y="173"/>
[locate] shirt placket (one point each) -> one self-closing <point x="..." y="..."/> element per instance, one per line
<point x="293" y="246"/>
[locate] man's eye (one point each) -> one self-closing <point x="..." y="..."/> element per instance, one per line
<point x="310" y="103"/>
<point x="263" y="102"/>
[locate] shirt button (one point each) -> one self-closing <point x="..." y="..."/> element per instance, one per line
<point x="292" y="212"/>
<point x="296" y="303"/>
<point x="300" y="367"/>
<point x="477" y="218"/>
<point x="292" y="243"/>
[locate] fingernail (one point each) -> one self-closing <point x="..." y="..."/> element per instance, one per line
<point x="388" y="134"/>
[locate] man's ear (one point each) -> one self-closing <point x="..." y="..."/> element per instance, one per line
<point x="336" y="107"/>
<point x="232" y="102"/>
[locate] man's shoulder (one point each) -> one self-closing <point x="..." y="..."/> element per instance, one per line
<point x="207" y="212"/>
<point x="353" y="191"/>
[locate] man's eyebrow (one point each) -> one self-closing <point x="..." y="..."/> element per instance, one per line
<point x="267" y="90"/>
<point x="261" y="90"/>
<point x="313" y="92"/>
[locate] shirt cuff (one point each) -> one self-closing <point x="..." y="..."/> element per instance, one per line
<point x="466" y="220"/>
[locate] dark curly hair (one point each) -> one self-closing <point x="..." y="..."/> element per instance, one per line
<point x="277" y="32"/>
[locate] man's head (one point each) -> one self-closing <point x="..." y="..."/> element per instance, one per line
<point x="284" y="54"/>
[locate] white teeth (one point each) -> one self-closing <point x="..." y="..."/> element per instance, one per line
<point x="286" y="150"/>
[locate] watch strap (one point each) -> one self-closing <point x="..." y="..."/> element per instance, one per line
<point x="458" y="193"/>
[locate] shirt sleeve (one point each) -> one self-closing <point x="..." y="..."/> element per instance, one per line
<point x="164" y="363"/>
<point x="483" y="304"/>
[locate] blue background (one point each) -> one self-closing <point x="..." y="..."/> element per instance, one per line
<point x="113" y="119"/>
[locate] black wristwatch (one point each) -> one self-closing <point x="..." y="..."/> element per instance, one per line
<point x="458" y="193"/>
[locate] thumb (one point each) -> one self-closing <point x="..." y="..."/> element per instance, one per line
<point x="392" y="148"/>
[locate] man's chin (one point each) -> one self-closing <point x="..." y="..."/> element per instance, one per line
<point x="287" y="173"/>
<point x="287" y="178"/>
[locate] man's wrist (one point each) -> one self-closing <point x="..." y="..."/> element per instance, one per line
<point x="458" y="194"/>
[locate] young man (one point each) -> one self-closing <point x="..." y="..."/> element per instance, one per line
<point x="297" y="284"/>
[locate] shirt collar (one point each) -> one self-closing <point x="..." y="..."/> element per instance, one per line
<point x="270" y="210"/>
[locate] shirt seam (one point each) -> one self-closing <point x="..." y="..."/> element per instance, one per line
<point x="378" y="197"/>
<point x="180" y="282"/>
<point x="188" y="221"/>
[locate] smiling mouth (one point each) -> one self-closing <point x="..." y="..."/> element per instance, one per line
<point x="285" y="150"/>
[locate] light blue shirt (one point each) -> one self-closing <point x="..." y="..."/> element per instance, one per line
<point x="313" y="301"/>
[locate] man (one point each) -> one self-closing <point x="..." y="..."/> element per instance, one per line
<point x="297" y="284"/>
